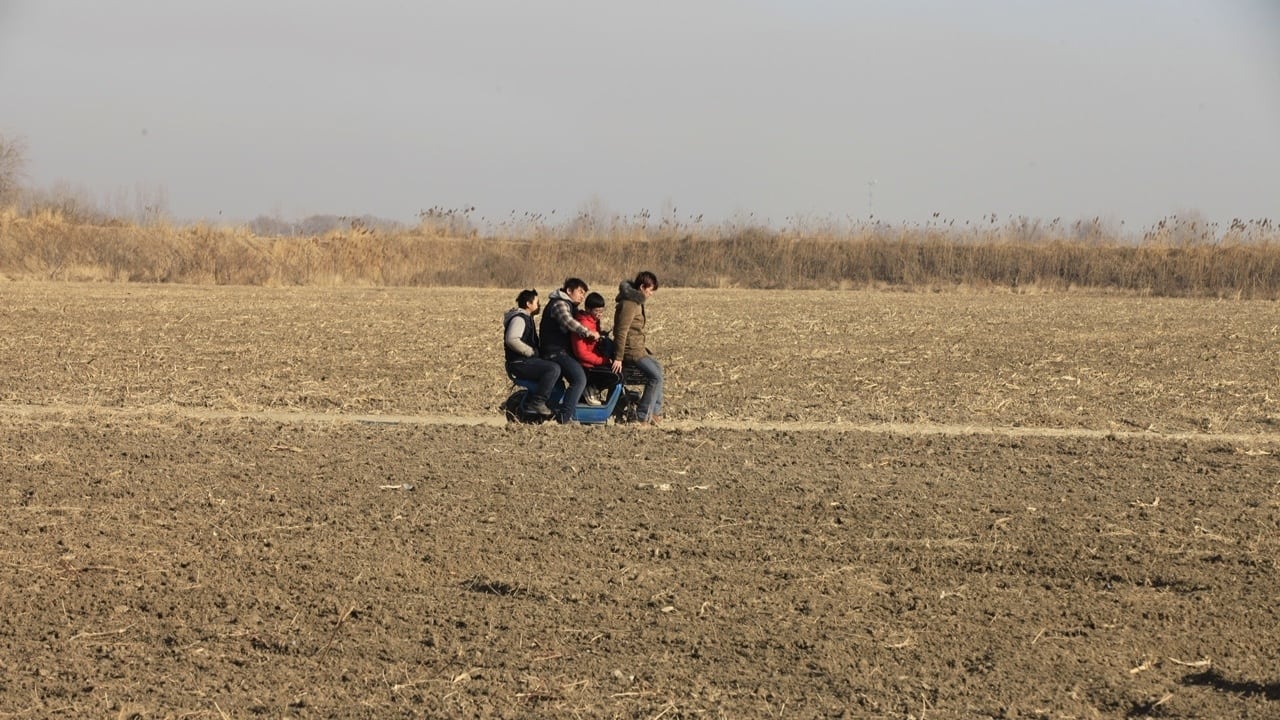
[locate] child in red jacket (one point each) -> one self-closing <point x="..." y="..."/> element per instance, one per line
<point x="595" y="354"/>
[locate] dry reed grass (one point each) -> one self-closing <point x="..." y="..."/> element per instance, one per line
<point x="1176" y="258"/>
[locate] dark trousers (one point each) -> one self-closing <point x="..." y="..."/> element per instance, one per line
<point x="543" y="372"/>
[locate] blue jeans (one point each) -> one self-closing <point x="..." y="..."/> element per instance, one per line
<point x="651" y="399"/>
<point x="571" y="370"/>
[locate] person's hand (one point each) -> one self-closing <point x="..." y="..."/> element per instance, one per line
<point x="617" y="367"/>
<point x="593" y="335"/>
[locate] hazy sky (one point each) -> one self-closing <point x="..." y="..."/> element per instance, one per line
<point x="1126" y="109"/>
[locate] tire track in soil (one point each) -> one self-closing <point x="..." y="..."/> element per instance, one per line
<point x="79" y="413"/>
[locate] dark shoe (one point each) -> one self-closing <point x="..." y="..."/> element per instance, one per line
<point x="539" y="408"/>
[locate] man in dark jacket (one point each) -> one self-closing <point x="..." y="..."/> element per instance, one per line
<point x="520" y="341"/>
<point x="558" y="324"/>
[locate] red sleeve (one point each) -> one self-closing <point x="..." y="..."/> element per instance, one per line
<point x="584" y="350"/>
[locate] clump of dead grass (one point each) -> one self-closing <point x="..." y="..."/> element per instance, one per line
<point x="1182" y="258"/>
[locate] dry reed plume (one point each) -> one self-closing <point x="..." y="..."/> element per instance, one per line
<point x="1175" y="258"/>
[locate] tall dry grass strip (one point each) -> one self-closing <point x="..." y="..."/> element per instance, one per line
<point x="1171" y="260"/>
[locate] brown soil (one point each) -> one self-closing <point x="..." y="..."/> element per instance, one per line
<point x="235" y="502"/>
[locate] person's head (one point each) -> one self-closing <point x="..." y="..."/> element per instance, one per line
<point x="528" y="300"/>
<point x="646" y="282"/>
<point x="576" y="289"/>
<point x="595" y="304"/>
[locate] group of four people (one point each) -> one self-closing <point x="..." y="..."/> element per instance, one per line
<point x="570" y="342"/>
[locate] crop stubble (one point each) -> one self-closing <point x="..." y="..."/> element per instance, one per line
<point x="196" y="524"/>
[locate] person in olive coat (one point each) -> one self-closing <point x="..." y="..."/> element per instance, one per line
<point x="629" y="316"/>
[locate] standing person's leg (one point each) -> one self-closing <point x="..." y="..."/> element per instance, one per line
<point x="656" y="412"/>
<point x="651" y="400"/>
<point x="572" y="371"/>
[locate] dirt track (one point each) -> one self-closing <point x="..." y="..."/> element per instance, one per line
<point x="84" y="412"/>
<point x="248" y="502"/>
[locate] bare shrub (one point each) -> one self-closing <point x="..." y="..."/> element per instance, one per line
<point x="13" y="162"/>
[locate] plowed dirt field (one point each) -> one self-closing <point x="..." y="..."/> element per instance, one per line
<point x="254" y="502"/>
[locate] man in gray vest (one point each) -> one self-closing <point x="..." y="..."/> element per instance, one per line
<point x="520" y="341"/>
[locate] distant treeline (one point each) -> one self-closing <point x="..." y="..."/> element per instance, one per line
<point x="1174" y="258"/>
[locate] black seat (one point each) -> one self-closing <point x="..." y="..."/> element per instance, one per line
<point x="631" y="375"/>
<point x="601" y="377"/>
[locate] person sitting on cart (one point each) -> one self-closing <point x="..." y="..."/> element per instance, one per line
<point x="520" y="341"/>
<point x="557" y="328"/>
<point x="595" y="354"/>
<point x="630" y="352"/>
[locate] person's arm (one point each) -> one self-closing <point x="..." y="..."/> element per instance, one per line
<point x="564" y="316"/>
<point x="584" y="350"/>
<point x="515" y="336"/>
<point x="627" y="312"/>
<point x="579" y="348"/>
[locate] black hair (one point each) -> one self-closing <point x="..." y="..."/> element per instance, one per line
<point x="645" y="278"/>
<point x="594" y="300"/>
<point x="574" y="283"/>
<point x="525" y="298"/>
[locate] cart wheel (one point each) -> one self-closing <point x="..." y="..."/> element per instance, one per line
<point x="625" y="410"/>
<point x="513" y="406"/>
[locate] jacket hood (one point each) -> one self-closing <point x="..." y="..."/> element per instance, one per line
<point x="506" y="317"/>
<point x="559" y="294"/>
<point x="627" y="291"/>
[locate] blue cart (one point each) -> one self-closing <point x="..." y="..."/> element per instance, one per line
<point x="619" y="403"/>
